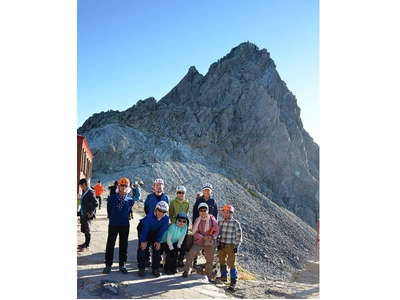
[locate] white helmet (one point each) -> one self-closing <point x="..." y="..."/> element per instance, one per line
<point x="181" y="188"/>
<point x="159" y="180"/>
<point x="202" y="204"/>
<point x="208" y="186"/>
<point x="162" y="205"/>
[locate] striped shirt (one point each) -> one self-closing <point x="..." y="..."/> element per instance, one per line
<point x="230" y="232"/>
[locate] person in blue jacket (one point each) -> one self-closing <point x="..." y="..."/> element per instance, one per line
<point x="118" y="207"/>
<point x="156" y="196"/>
<point x="150" y="231"/>
<point x="207" y="198"/>
<point x="150" y="204"/>
<point x="172" y="241"/>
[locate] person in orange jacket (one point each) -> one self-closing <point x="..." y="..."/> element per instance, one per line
<point x="99" y="190"/>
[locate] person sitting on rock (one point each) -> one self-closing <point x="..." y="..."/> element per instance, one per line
<point x="178" y="205"/>
<point x="205" y="231"/>
<point x="150" y="231"/>
<point x="172" y="242"/>
<point x="118" y="207"/>
<point x="229" y="239"/>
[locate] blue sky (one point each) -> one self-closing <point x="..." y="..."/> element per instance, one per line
<point x="130" y="50"/>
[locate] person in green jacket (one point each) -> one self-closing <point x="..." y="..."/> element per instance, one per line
<point x="178" y="205"/>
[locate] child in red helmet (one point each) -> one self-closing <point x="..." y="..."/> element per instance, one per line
<point x="229" y="239"/>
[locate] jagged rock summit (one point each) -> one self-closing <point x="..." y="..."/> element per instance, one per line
<point x="238" y="127"/>
<point x="244" y="119"/>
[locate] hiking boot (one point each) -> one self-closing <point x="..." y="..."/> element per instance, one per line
<point x="170" y="272"/>
<point x="83" y="249"/>
<point x="123" y="269"/>
<point x="81" y="246"/>
<point x="107" y="270"/>
<point x="156" y="273"/>
<point x="141" y="272"/>
<point x="224" y="274"/>
<point x="232" y="285"/>
<point x="222" y="279"/>
<point x="185" y="274"/>
<point x="211" y="279"/>
<point x="180" y="264"/>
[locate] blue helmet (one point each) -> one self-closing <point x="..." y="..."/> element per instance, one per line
<point x="183" y="215"/>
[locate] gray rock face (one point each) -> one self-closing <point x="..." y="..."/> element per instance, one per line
<point x="240" y="118"/>
<point x="275" y="241"/>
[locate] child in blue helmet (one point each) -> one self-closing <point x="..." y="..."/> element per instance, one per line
<point x="172" y="241"/>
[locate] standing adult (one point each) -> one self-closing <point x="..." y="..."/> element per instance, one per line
<point x="156" y="196"/>
<point x="99" y="189"/>
<point x="118" y="207"/>
<point x="179" y="205"/>
<point x="206" y="197"/>
<point x="229" y="240"/>
<point x="205" y="231"/>
<point x="150" y="231"/>
<point x="87" y="212"/>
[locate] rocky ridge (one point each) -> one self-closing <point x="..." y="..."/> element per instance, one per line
<point x="237" y="127"/>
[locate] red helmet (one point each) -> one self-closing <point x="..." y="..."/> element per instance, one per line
<point x="228" y="208"/>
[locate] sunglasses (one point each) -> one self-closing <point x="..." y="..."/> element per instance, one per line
<point x="123" y="185"/>
<point x="180" y="192"/>
<point x="182" y="221"/>
<point x="203" y="210"/>
<point x="161" y="211"/>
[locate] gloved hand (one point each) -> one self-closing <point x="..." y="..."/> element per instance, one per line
<point x="235" y="250"/>
<point x="219" y="247"/>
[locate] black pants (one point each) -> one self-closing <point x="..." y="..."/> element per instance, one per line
<point x="85" y="228"/>
<point x="99" y="198"/>
<point x="171" y="258"/>
<point x="113" y="232"/>
<point x="143" y="256"/>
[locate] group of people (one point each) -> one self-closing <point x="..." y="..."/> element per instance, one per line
<point x="165" y="230"/>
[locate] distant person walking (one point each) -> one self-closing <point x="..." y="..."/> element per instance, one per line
<point x="118" y="207"/>
<point x="150" y="231"/>
<point x="229" y="240"/>
<point x="87" y="212"/>
<point x="113" y="188"/>
<point x="99" y="189"/>
<point x="205" y="231"/>
<point x="135" y="193"/>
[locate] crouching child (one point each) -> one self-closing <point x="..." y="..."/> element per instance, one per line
<point x="172" y="242"/>
<point x="229" y="239"/>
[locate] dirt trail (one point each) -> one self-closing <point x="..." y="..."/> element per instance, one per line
<point x="91" y="283"/>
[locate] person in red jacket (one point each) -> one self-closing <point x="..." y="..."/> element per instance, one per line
<point x="99" y="190"/>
